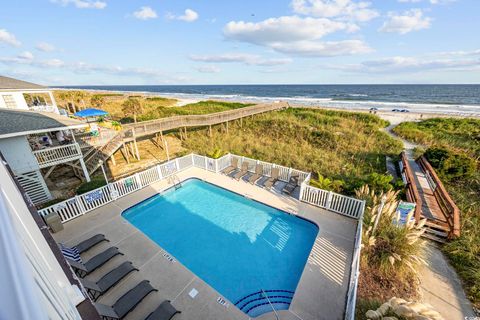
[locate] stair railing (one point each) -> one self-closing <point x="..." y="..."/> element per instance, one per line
<point x="271" y="305"/>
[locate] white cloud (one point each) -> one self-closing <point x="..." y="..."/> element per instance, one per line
<point x="430" y="1"/>
<point x="82" y="4"/>
<point x="342" y="9"/>
<point x="188" y="16"/>
<point x="283" y="29"/>
<point x="45" y="47"/>
<point x="324" y="49"/>
<point x="26" y="58"/>
<point x="26" y="55"/>
<point x="296" y="35"/>
<point x="9" y="38"/>
<point x="145" y="13"/>
<point x="457" y="60"/>
<point x="408" y="21"/>
<point x="208" y="69"/>
<point x="245" y="58"/>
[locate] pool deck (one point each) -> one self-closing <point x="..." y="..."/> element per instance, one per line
<point x="321" y="292"/>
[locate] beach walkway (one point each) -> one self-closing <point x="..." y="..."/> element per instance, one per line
<point x="440" y="285"/>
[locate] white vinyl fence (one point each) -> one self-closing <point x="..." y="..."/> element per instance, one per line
<point x="354" y="273"/>
<point x="81" y="204"/>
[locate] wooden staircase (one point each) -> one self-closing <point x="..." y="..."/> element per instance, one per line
<point x="436" y="230"/>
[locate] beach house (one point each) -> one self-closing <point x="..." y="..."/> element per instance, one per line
<point x="35" y="138"/>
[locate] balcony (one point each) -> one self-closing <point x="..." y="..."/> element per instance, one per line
<point x="43" y="108"/>
<point x="55" y="155"/>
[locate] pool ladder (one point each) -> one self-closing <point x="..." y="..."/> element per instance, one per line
<point x="175" y="180"/>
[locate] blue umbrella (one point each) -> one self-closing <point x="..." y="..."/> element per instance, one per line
<point x="90" y="113"/>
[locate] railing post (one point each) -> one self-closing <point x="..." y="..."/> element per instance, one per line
<point x="193" y="159"/>
<point x="289" y="174"/>
<point x="177" y="164"/>
<point x="329" y="199"/>
<point x="159" y="171"/>
<point x="82" y="208"/>
<point x="139" y="181"/>
<point x="216" y="165"/>
<point x="302" y="187"/>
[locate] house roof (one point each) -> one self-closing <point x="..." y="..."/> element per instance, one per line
<point x="7" y="83"/>
<point x="19" y="122"/>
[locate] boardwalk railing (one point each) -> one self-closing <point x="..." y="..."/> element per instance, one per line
<point x="412" y="191"/>
<point x="81" y="204"/>
<point x="55" y="155"/>
<point x="445" y="202"/>
<point x="144" y="128"/>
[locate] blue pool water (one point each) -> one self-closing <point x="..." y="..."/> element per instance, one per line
<point x="237" y="245"/>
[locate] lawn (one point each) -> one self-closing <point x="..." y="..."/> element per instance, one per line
<point x="460" y="140"/>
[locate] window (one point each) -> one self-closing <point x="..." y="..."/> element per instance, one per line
<point x="9" y="101"/>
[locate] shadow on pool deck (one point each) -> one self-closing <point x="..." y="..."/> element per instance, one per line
<point x="320" y="294"/>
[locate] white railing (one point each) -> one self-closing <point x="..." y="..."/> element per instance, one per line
<point x="44" y="108"/>
<point x="55" y="155"/>
<point x="86" y="140"/>
<point x="79" y="205"/>
<point x="354" y="273"/>
<point x="332" y="201"/>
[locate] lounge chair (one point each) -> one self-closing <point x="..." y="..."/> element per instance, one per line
<point x="89" y="243"/>
<point x="242" y="172"/>
<point x="165" y="311"/>
<point x="125" y="303"/>
<point x="233" y="166"/>
<point x="257" y="175"/>
<point x="273" y="179"/>
<point x="96" y="289"/>
<point x="291" y="184"/>
<point x="82" y="269"/>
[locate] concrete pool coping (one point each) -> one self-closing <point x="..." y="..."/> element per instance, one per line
<point x="320" y="294"/>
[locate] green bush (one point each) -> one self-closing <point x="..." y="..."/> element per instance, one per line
<point x="92" y="185"/>
<point x="451" y="165"/>
<point x="327" y="184"/>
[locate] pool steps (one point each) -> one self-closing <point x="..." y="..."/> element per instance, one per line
<point x="260" y="302"/>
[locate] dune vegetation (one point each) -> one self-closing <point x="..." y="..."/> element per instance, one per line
<point x="151" y="107"/>
<point x="344" y="150"/>
<point x="453" y="148"/>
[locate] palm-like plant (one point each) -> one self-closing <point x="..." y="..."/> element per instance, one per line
<point x="132" y="107"/>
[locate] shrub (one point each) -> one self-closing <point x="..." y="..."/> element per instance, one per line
<point x="327" y="184"/>
<point x="392" y="248"/>
<point x="92" y="185"/>
<point x="450" y="165"/>
<point x="379" y="181"/>
<point x="216" y="153"/>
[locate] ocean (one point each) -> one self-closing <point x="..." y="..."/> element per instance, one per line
<point x="460" y="99"/>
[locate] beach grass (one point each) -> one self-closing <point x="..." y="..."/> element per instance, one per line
<point x="337" y="145"/>
<point x="457" y="139"/>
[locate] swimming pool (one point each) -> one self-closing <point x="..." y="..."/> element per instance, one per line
<point x="236" y="245"/>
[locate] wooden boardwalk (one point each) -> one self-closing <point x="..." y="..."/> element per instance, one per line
<point x="133" y="131"/>
<point x="433" y="202"/>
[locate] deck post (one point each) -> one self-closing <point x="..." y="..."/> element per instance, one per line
<point x="186" y="133"/>
<point x="131" y="149"/>
<point x="136" y="149"/>
<point x="85" y="171"/>
<point x="210" y="130"/>
<point x="125" y="152"/>
<point x="226" y="125"/>
<point x="241" y="122"/>
<point x="112" y="157"/>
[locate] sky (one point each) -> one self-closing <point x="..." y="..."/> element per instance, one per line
<point x="114" y="42"/>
